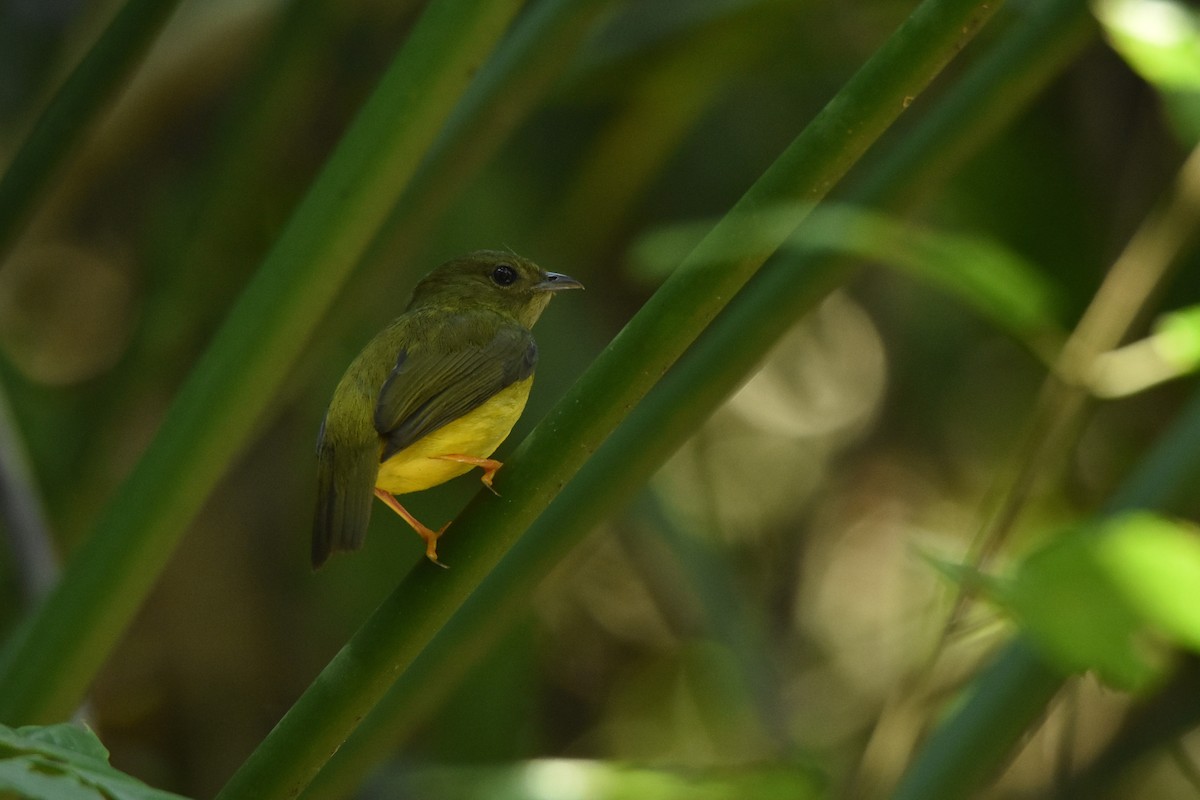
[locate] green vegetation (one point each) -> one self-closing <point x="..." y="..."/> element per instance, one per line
<point x="864" y="463"/>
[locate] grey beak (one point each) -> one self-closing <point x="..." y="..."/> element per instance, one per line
<point x="557" y="282"/>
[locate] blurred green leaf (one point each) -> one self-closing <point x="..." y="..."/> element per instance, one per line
<point x="1069" y="606"/>
<point x="64" y="762"/>
<point x="965" y="575"/>
<point x="1160" y="40"/>
<point x="987" y="276"/>
<point x="1177" y="338"/>
<point x="982" y="273"/>
<point x="1109" y="597"/>
<point x="1155" y="564"/>
<point x="1171" y="352"/>
<point x="552" y="779"/>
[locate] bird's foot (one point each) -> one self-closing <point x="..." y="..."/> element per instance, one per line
<point x="429" y="535"/>
<point x="431" y="538"/>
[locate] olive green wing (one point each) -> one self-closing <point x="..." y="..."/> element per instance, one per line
<point x="453" y="372"/>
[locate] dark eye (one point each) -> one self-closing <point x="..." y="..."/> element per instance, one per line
<point x="504" y="275"/>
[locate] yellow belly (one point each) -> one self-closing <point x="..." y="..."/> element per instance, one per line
<point x="477" y="433"/>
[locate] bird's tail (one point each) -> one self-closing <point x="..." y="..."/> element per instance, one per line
<point x="345" y="483"/>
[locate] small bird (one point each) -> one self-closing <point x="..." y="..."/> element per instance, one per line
<point x="432" y="395"/>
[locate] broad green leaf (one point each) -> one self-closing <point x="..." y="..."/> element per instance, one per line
<point x="57" y="738"/>
<point x="25" y="779"/>
<point x="65" y="762"/>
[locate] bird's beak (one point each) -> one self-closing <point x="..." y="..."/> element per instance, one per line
<point x="557" y="282"/>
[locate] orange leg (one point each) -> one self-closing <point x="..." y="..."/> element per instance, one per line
<point x="430" y="536"/>
<point x="490" y="465"/>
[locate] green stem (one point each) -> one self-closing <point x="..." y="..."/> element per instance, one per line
<point x="46" y="669"/>
<point x="974" y="744"/>
<point x="525" y="67"/>
<point x="73" y="110"/>
<point x="664" y="98"/>
<point x="407" y="621"/>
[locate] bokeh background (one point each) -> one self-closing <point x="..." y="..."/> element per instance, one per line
<point x="772" y="596"/>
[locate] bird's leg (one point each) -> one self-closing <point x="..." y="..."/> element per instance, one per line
<point x="430" y="536"/>
<point x="489" y="465"/>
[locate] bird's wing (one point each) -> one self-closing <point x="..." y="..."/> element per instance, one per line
<point x="452" y="372"/>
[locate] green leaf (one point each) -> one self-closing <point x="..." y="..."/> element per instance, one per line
<point x="964" y="575"/>
<point x="57" y="738"/>
<point x="65" y="762"/>
<point x="25" y="779"/>
<point x="1112" y="597"/>
<point x="1155" y="565"/>
<point x="1071" y="610"/>
<point x="1177" y="338"/>
<point x="1160" y="40"/>
<point x="981" y="273"/>
<point x="995" y="281"/>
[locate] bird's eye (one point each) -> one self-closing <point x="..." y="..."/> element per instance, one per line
<point x="504" y="275"/>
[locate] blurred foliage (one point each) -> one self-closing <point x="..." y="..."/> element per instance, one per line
<point x="63" y="762"/>
<point x="749" y="626"/>
<point x="981" y="274"/>
<point x="1160" y="39"/>
<point x="1178" y="335"/>
<point x="553" y="779"/>
<point x="1170" y="351"/>
<point x="1114" y="598"/>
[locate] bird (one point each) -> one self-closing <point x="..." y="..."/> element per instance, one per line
<point x="431" y="396"/>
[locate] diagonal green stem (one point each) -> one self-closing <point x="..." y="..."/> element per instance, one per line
<point x="73" y="110"/>
<point x="1009" y="695"/>
<point x="394" y="636"/>
<point x="46" y="669"/>
<point x="525" y="67"/>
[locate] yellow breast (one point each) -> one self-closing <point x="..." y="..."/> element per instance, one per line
<point x="477" y="433"/>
